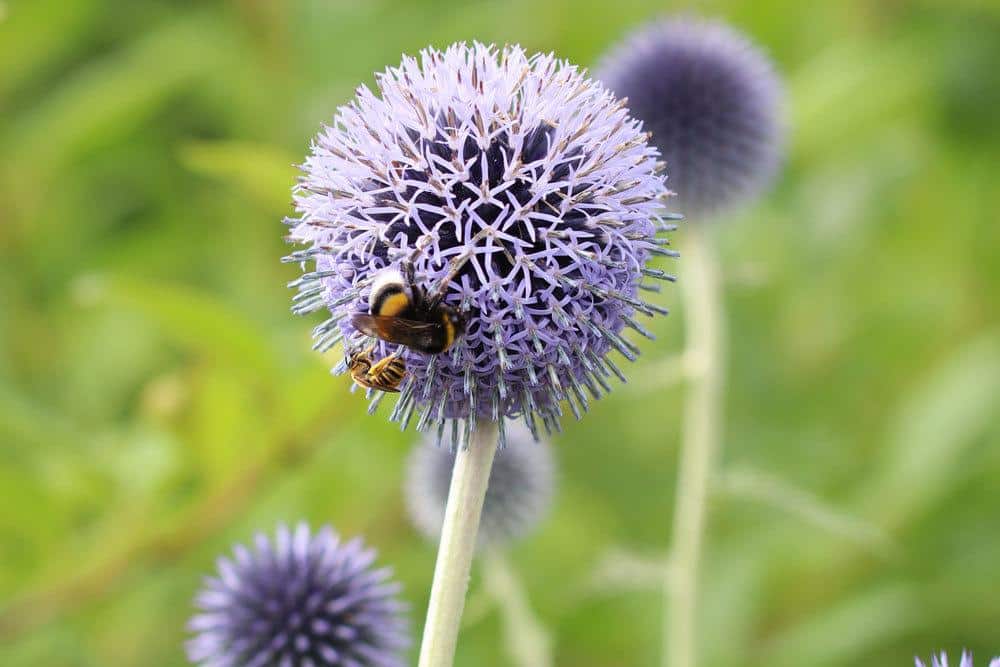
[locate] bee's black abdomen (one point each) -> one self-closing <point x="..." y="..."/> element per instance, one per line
<point x="401" y="313"/>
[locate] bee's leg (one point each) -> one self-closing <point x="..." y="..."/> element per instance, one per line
<point x="395" y="355"/>
<point x="409" y="274"/>
<point x="379" y="365"/>
<point x="367" y="352"/>
<point x="406" y="265"/>
<point x="453" y="268"/>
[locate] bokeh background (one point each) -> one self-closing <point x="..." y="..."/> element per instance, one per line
<point x="158" y="402"/>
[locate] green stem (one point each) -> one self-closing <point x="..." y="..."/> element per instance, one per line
<point x="705" y="332"/>
<point x="469" y="480"/>
<point x="528" y="643"/>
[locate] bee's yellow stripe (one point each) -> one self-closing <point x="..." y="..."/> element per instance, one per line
<point x="449" y="331"/>
<point x="392" y="305"/>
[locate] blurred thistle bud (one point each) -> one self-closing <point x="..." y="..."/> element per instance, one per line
<point x="712" y="101"/>
<point x="299" y="600"/>
<point x="518" y="497"/>
<point x="485" y="223"/>
<point x="941" y="660"/>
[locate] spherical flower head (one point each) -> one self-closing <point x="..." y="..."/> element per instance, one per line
<point x="941" y="660"/>
<point x="516" y="188"/>
<point x="299" y="600"/>
<point x="518" y="497"/>
<point x="711" y="99"/>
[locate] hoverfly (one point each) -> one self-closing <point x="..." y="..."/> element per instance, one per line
<point x="386" y="374"/>
<point x="402" y="312"/>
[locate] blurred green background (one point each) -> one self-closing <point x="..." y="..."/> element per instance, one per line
<point x="158" y="402"/>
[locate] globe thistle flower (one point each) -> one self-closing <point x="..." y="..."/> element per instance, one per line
<point x="518" y="497"/>
<point x="513" y="186"/>
<point x="299" y="600"/>
<point x="711" y="100"/>
<point x="941" y="660"/>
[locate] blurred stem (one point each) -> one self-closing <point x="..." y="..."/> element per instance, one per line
<point x="469" y="480"/>
<point x="527" y="641"/>
<point x="705" y="342"/>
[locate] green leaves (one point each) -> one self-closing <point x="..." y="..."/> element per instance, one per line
<point x="192" y="319"/>
<point x="258" y="171"/>
<point x="746" y="484"/>
<point x="110" y="97"/>
<point x="843" y="633"/>
<point x="933" y="430"/>
<point x="157" y="400"/>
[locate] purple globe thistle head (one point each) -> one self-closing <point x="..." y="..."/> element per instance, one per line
<point x="518" y="497"/>
<point x="514" y="188"/>
<point x="941" y="660"/>
<point x="299" y="600"/>
<point x="712" y="101"/>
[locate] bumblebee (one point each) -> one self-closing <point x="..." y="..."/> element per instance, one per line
<point x="385" y="374"/>
<point x="402" y="312"/>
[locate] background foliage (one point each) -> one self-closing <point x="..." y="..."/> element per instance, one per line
<point x="158" y="402"/>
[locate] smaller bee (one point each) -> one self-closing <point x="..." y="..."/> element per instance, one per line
<point x="402" y="312"/>
<point x="385" y="374"/>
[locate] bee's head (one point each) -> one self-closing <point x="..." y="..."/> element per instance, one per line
<point x="359" y="361"/>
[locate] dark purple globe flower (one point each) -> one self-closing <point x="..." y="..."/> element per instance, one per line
<point x="515" y="187"/>
<point x="518" y="497"/>
<point x="941" y="660"/>
<point x="711" y="100"/>
<point x="299" y="600"/>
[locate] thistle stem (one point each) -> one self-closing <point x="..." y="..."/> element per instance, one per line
<point x="469" y="480"/>
<point x="705" y="342"/>
<point x="528" y="643"/>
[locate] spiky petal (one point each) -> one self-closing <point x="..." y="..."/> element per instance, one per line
<point x="299" y="600"/>
<point x="941" y="660"/>
<point x="530" y="179"/>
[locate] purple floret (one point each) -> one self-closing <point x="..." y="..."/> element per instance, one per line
<point x="941" y="660"/>
<point x="532" y="176"/>
<point x="712" y="101"/>
<point x="299" y="600"/>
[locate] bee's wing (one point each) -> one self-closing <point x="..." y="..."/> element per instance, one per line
<point x="411" y="333"/>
